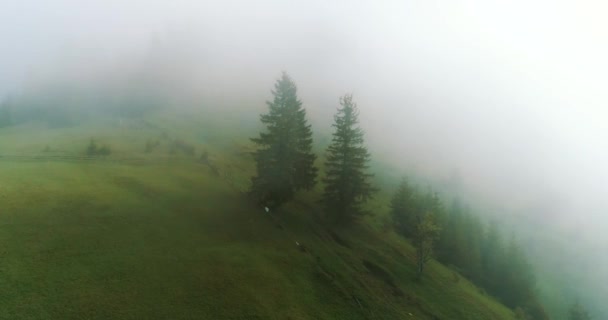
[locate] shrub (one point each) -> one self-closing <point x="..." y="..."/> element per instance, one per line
<point x="104" y="150"/>
<point x="94" y="150"/>
<point x="151" y="145"/>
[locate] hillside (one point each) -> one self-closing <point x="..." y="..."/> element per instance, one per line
<point x="157" y="235"/>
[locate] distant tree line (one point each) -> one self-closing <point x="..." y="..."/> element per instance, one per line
<point x="477" y="252"/>
<point x="59" y="106"/>
<point x="285" y="164"/>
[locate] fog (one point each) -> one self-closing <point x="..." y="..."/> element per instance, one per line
<point x="510" y="95"/>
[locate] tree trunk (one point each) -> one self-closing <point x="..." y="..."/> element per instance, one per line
<point x="420" y="269"/>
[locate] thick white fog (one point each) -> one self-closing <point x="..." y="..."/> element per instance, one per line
<point x="511" y="94"/>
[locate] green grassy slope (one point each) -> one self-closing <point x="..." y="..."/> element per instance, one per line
<point x="170" y="238"/>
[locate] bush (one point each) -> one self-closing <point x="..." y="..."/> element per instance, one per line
<point x="104" y="150"/>
<point x="94" y="150"/>
<point x="151" y="145"/>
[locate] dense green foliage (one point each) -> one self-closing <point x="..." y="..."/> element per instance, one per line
<point x="347" y="185"/>
<point x="403" y="208"/>
<point x="503" y="270"/>
<point x="577" y="312"/>
<point x="284" y="160"/>
<point x="425" y="234"/>
<point x="479" y="254"/>
<point x="414" y="216"/>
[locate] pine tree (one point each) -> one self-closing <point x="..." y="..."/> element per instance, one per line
<point x="536" y="310"/>
<point x="577" y="312"/>
<point x="518" y="281"/>
<point x="428" y="202"/>
<point x="284" y="158"/>
<point x="492" y="258"/>
<point x="473" y="231"/>
<point x="347" y="184"/>
<point x="403" y="208"/>
<point x="425" y="235"/>
<point x="452" y="243"/>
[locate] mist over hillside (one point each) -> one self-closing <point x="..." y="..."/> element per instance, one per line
<point x="501" y="104"/>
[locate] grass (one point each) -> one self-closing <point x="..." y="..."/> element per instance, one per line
<point x="177" y="240"/>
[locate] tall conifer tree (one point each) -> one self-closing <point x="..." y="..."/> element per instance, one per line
<point x="426" y="233"/>
<point x="347" y="184"/>
<point x="284" y="158"/>
<point x="403" y="208"/>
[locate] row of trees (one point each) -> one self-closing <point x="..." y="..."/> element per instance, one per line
<point x="285" y="161"/>
<point x="285" y="164"/>
<point x="460" y="240"/>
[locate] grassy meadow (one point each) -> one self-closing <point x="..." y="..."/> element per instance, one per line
<point x="166" y="236"/>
